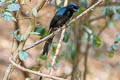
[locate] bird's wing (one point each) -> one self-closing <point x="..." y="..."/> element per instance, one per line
<point x="59" y="14"/>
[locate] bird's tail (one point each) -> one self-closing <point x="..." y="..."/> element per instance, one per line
<point x="47" y="44"/>
<point x="40" y="78"/>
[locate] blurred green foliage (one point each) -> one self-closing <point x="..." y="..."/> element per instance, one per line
<point x="11" y="7"/>
<point x="47" y="64"/>
<point x="41" y="30"/>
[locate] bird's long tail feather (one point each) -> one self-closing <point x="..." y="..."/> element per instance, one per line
<point x="47" y="46"/>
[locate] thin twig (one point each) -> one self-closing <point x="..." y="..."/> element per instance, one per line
<point x="23" y="18"/>
<point x="105" y="26"/>
<point x="96" y="18"/>
<point x="40" y="4"/>
<point x="34" y="72"/>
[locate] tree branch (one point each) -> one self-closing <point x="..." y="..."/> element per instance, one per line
<point x="34" y="72"/>
<point x="96" y="18"/>
<point x="40" y="4"/>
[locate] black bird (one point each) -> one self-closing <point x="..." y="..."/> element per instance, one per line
<point x="60" y="18"/>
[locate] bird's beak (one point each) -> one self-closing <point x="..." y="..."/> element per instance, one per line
<point x="76" y="10"/>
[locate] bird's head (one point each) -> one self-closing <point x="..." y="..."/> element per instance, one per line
<point x="73" y="7"/>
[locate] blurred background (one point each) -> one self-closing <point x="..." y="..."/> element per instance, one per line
<point x="90" y="49"/>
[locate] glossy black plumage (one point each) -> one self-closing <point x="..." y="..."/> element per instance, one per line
<point x="60" y="18"/>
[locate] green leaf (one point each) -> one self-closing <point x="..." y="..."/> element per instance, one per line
<point x="13" y="7"/>
<point x="14" y="32"/>
<point x="47" y="64"/>
<point x="117" y="38"/>
<point x="64" y="54"/>
<point x="2" y="2"/>
<point x="87" y="29"/>
<point x="79" y="12"/>
<point x="104" y="12"/>
<point x="54" y="46"/>
<point x="108" y="11"/>
<point x="95" y="40"/>
<point x="66" y="37"/>
<point x="118" y="10"/>
<point x="111" y="54"/>
<point x="57" y="59"/>
<point x="23" y="55"/>
<point x="7" y="14"/>
<point x="111" y="24"/>
<point x="85" y="35"/>
<point x="20" y="37"/>
<point x="73" y="53"/>
<point x="7" y="18"/>
<point x="27" y="12"/>
<point x="40" y="29"/>
<point x="114" y="47"/>
<point x="44" y="57"/>
<point x="34" y="10"/>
